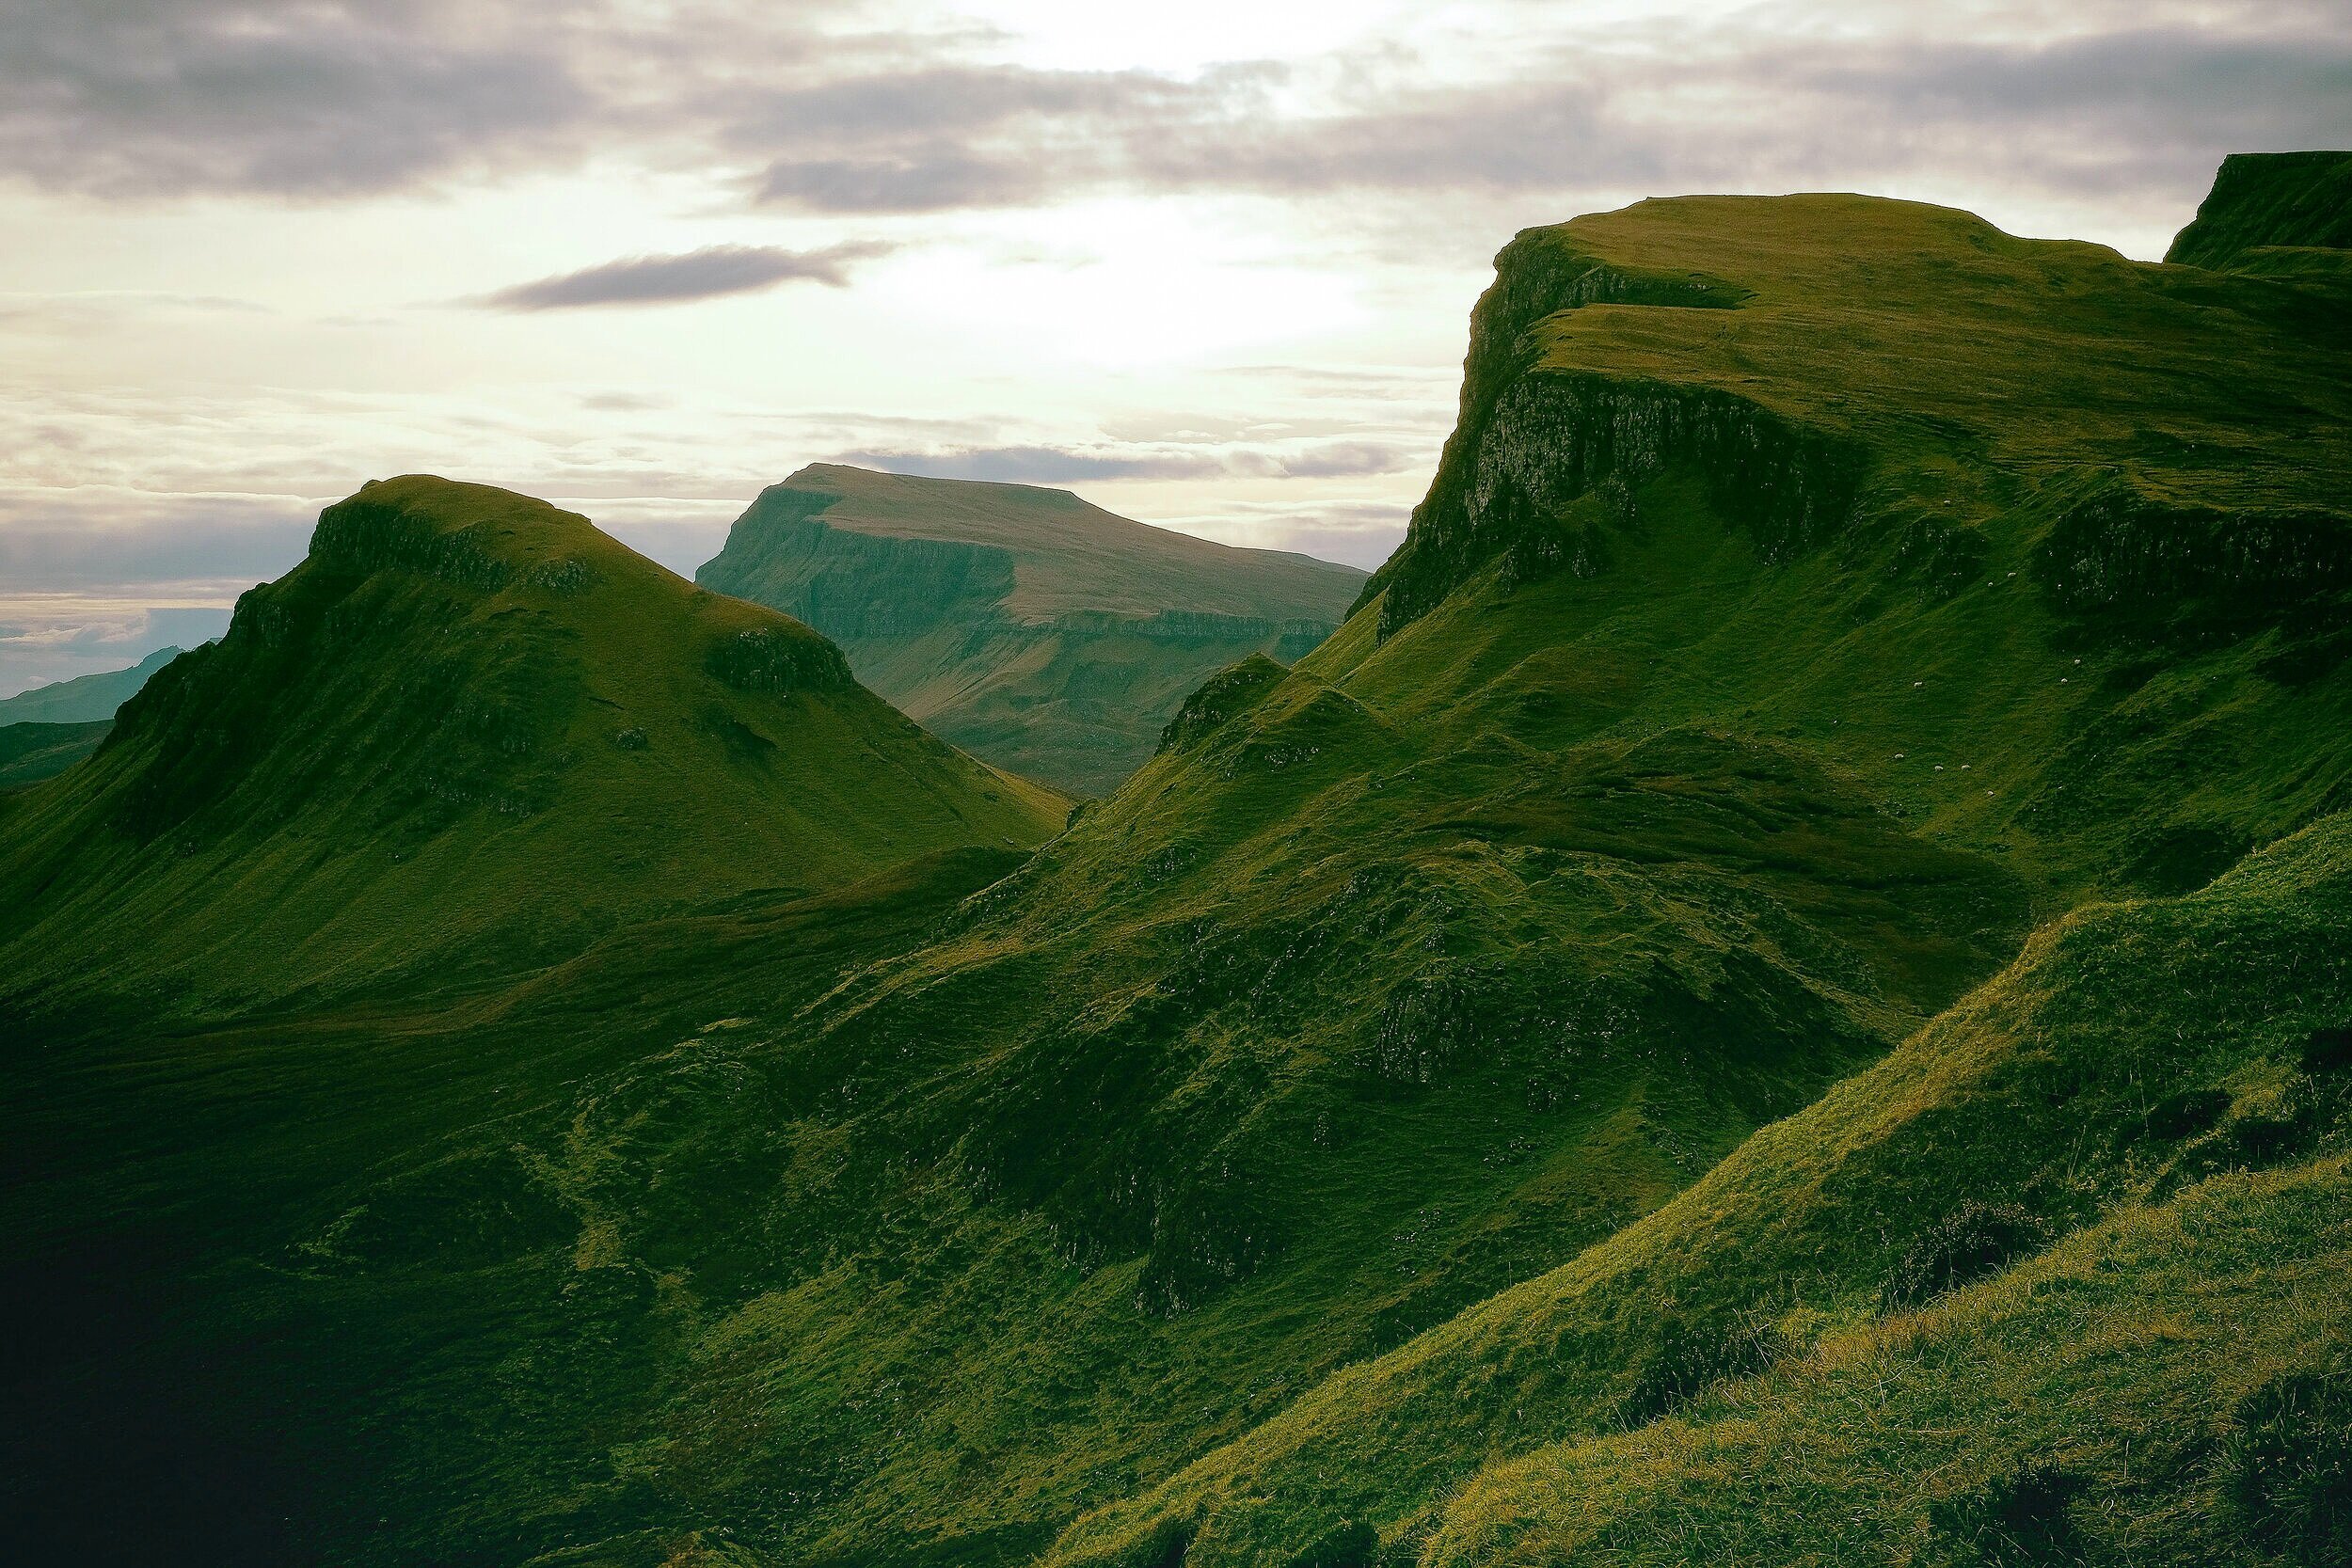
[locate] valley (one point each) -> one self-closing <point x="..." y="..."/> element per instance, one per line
<point x="1769" y="988"/>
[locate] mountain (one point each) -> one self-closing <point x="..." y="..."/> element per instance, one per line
<point x="85" y="699"/>
<point x="1775" y="993"/>
<point x="1035" y="631"/>
<point x="30" y="752"/>
<point x="2264" y="207"/>
<point x="2018" y="540"/>
<point x="468" y="732"/>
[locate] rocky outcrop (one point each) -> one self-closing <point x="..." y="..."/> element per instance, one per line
<point x="778" y="660"/>
<point x="2123" y="552"/>
<point x="363" y="535"/>
<point x="1532" y="440"/>
<point x="857" y="585"/>
<point x="1223" y="695"/>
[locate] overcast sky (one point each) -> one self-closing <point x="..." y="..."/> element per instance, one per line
<point x="1210" y="265"/>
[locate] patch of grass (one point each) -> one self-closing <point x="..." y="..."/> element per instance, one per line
<point x="2285" y="1464"/>
<point x="1972" y="1241"/>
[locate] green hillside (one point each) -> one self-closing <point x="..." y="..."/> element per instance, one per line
<point x="2060" y="1280"/>
<point x="85" y="699"/>
<point x="468" y="732"/>
<point x="1776" y="994"/>
<point x="30" y="752"/>
<point x="1033" y="629"/>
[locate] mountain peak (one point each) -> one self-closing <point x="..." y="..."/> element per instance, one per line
<point x="1825" y="360"/>
<point x="456" y="530"/>
<point x="470" y="729"/>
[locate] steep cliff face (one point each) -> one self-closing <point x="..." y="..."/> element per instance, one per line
<point x="1042" y="634"/>
<point x="2269" y="201"/>
<point x="1937" y="383"/>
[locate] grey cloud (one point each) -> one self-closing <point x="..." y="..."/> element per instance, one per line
<point x="619" y="402"/>
<point x="298" y="98"/>
<point x="1338" y="459"/>
<point x="1737" y="109"/>
<point x="1359" y="533"/>
<point x="705" y="273"/>
<point x="325" y="98"/>
<point x="2135" y="102"/>
<point x="931" y="181"/>
<point x="941" y="137"/>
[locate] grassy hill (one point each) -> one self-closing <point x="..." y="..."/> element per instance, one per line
<point x="2058" y="1281"/>
<point x="85" y="699"/>
<point x="468" y="732"/>
<point x="1041" y="633"/>
<point x="1775" y="994"/>
<point x="30" y="752"/>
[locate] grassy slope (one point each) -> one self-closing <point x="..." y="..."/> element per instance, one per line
<point x="469" y="732"/>
<point x="1023" y="624"/>
<point x="1240" y="1155"/>
<point x="1725" y="1380"/>
<point x="194" y="1375"/>
<point x="1399" y="981"/>
<point x="1528" y="753"/>
<point x="31" y="750"/>
<point x="1910" y="363"/>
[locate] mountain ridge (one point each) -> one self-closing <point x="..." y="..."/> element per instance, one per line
<point x="1776" y="992"/>
<point x="85" y="699"/>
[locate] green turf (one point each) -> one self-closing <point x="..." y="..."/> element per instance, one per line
<point x="2143" y="1083"/>
<point x="1776" y="994"/>
<point x="1045" y="635"/>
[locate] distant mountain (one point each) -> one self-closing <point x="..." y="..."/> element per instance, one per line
<point x="468" y="731"/>
<point x="30" y="752"/>
<point x="1032" y="629"/>
<point x="84" y="698"/>
<point x="2264" y="203"/>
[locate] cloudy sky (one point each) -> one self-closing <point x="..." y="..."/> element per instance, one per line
<point x="1208" y="264"/>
